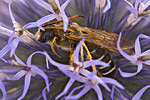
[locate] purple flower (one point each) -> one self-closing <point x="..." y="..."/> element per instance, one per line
<point x="56" y="10"/>
<point x="92" y="82"/>
<point x="138" y="10"/>
<point x="140" y="93"/>
<point x="15" y="36"/>
<point x="30" y="70"/>
<point x="137" y="58"/>
<point x="102" y="3"/>
<point x="2" y="87"/>
<point x="44" y="92"/>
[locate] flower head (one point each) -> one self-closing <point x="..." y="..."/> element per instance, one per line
<point x="30" y="70"/>
<point x="137" y="58"/>
<point x="56" y="10"/>
<point x="138" y="10"/>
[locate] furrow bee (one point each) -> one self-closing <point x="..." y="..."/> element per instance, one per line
<point x="99" y="42"/>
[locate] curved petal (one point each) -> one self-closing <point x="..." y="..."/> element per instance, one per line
<point x="112" y="81"/>
<point x="10" y="11"/>
<point x="15" y="43"/>
<point x="131" y="58"/>
<point x="124" y="74"/>
<point x="65" y="20"/>
<point x="4" y="51"/>
<point x="98" y="92"/>
<point x="140" y="93"/>
<point x="2" y="87"/>
<point x="146" y="62"/>
<point x="5" y="31"/>
<point x="67" y="87"/>
<point x="19" y="75"/>
<point x="80" y="94"/>
<point x="108" y="6"/>
<point x="145" y="6"/>
<point x="76" y="88"/>
<point x="44" y="92"/>
<point x="147" y="52"/>
<point x="77" y="51"/>
<point x="41" y="21"/>
<point x="94" y="62"/>
<point x="112" y="92"/>
<point x="63" y="6"/>
<point x="44" y="5"/>
<point x="41" y="73"/>
<point x="58" y="4"/>
<point x="19" y="61"/>
<point x="137" y="46"/>
<point x="26" y="85"/>
<point x="130" y="4"/>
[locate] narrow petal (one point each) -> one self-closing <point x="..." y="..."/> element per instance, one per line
<point x="130" y="4"/>
<point x="145" y="7"/>
<point x="108" y="6"/>
<point x="5" y="31"/>
<point x="4" y="51"/>
<point x="41" y="73"/>
<point x="112" y="92"/>
<point x="98" y="92"/>
<point x="40" y="22"/>
<point x="147" y="52"/>
<point x="137" y="46"/>
<point x="10" y="11"/>
<point x="77" y="51"/>
<point x="2" y="87"/>
<point x="44" y="92"/>
<point x="112" y="81"/>
<point x="80" y="94"/>
<point x="63" y="6"/>
<point x="147" y="62"/>
<point x="15" y="43"/>
<point x="94" y="62"/>
<point x="67" y="87"/>
<point x="26" y="85"/>
<point x="45" y="5"/>
<point x="76" y="88"/>
<point x="65" y="20"/>
<point x="58" y="4"/>
<point x="19" y="75"/>
<point x="140" y="93"/>
<point x="124" y="74"/>
<point x="19" y="61"/>
<point x="132" y="59"/>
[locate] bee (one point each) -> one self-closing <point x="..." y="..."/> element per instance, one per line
<point x="100" y="42"/>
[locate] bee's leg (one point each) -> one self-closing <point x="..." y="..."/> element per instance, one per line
<point x="89" y="56"/>
<point x="62" y="20"/>
<point x="52" y="47"/>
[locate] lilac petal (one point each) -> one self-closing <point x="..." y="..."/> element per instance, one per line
<point x="144" y="36"/>
<point x="132" y="59"/>
<point x="147" y="52"/>
<point x="147" y="62"/>
<point x="4" y="51"/>
<point x="5" y="31"/>
<point x="76" y="88"/>
<point x="26" y="85"/>
<point x="44" y="92"/>
<point x="11" y="39"/>
<point x="94" y="62"/>
<point x="112" y="92"/>
<point x="17" y="76"/>
<point x="41" y="21"/>
<point x="137" y="47"/>
<point x="69" y="84"/>
<point x="58" y="4"/>
<point x="80" y="94"/>
<point x="145" y="6"/>
<point x="112" y="81"/>
<point x="10" y="11"/>
<point x="2" y="87"/>
<point x="63" y="6"/>
<point x="15" y="43"/>
<point x="41" y="73"/>
<point x="98" y="92"/>
<point x="77" y="51"/>
<point x="19" y="61"/>
<point x="45" y="5"/>
<point x="124" y="74"/>
<point x="65" y="20"/>
<point x="129" y="3"/>
<point x="140" y="93"/>
<point x="107" y="6"/>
